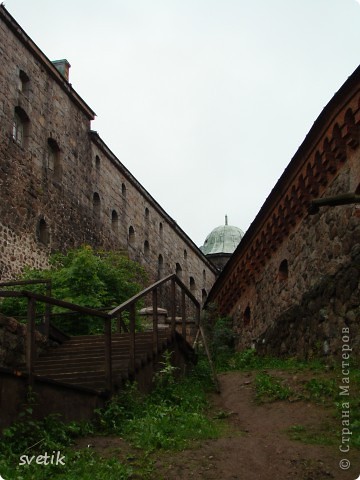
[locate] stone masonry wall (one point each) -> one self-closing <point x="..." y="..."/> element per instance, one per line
<point x="302" y="312"/>
<point x="62" y="187"/>
<point x="12" y="342"/>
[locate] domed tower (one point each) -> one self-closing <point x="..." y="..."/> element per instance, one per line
<point x="221" y="243"/>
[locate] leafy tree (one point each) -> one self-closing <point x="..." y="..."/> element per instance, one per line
<point x="96" y="279"/>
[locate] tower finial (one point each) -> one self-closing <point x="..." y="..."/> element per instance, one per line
<point x="226" y="219"/>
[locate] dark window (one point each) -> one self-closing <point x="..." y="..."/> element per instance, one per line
<point x="146" y="248"/>
<point x="21" y="124"/>
<point x="24" y="82"/>
<point x="43" y="232"/>
<point x="192" y="284"/>
<point x="114" y="220"/>
<point x="247" y="316"/>
<point x="131" y="236"/>
<point x="160" y="266"/>
<point x="283" y="270"/>
<point x="54" y="159"/>
<point x="96" y="204"/>
<point x="97" y="162"/>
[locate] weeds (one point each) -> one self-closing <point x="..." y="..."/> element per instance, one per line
<point x="170" y="418"/>
<point x="270" y="389"/>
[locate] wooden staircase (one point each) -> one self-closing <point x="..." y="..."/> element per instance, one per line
<point x="101" y="363"/>
<point x="76" y="375"/>
<point x="79" y="361"/>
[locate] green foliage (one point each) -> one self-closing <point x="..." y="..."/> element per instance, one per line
<point x="311" y="435"/>
<point x="321" y="390"/>
<point x="48" y="434"/>
<point x="84" y="465"/>
<point x="170" y="418"/>
<point x="95" y="279"/>
<point x="270" y="389"/>
<point x="250" y="360"/>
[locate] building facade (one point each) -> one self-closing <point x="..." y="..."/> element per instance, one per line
<point x="292" y="285"/>
<point x="62" y="187"/>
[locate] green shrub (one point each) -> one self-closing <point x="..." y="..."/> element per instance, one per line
<point x="86" y="277"/>
<point x="270" y="389"/>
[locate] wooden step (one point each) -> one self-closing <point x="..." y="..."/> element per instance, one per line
<point x="80" y="360"/>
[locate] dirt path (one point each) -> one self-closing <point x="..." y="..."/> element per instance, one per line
<point x="256" y="447"/>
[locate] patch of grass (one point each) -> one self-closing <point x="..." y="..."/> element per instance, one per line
<point x="323" y="435"/>
<point x="172" y="417"/>
<point x="270" y="389"/>
<point x="322" y="390"/>
<point x="250" y="360"/>
<point x="84" y="465"/>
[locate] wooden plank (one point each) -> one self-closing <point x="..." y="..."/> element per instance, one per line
<point x="108" y="354"/>
<point x="132" y="310"/>
<point x="213" y="371"/>
<point x="155" y="322"/>
<point x="30" y="339"/>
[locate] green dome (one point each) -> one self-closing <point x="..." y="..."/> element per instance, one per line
<point x="223" y="239"/>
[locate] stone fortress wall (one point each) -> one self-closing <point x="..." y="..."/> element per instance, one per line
<point x="62" y="187"/>
<point x="292" y="285"/>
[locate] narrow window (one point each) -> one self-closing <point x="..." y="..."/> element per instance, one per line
<point x="123" y="189"/>
<point x="24" y="82"/>
<point x="247" y="315"/>
<point x="161" y="228"/>
<point x="54" y="163"/>
<point x="131" y="236"/>
<point x="283" y="270"/>
<point x="185" y="254"/>
<point x="192" y="284"/>
<point x="147" y="214"/>
<point x="146" y="248"/>
<point x="114" y="220"/>
<point x="21" y="123"/>
<point x="96" y="204"/>
<point x="97" y="162"/>
<point x="160" y="267"/>
<point x="43" y="232"/>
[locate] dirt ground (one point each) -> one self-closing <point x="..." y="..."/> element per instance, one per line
<point x="256" y="446"/>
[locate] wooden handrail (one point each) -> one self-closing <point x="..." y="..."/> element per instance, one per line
<point x="129" y="305"/>
<point x="139" y="295"/>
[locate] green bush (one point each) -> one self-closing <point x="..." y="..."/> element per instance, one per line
<point x="86" y="277"/>
<point x="170" y="418"/>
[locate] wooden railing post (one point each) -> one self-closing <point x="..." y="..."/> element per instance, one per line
<point x="30" y="339"/>
<point x="47" y="311"/>
<point x="173" y="305"/>
<point x="108" y="354"/>
<point x="183" y="314"/>
<point x="132" y="310"/>
<point x="155" y="322"/>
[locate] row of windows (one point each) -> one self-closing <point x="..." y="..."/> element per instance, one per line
<point x="43" y="236"/>
<point x="20" y="134"/>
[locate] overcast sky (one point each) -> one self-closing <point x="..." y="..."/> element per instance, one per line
<point x="204" y="101"/>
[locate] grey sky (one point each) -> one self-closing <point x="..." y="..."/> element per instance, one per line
<point x="204" y="101"/>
